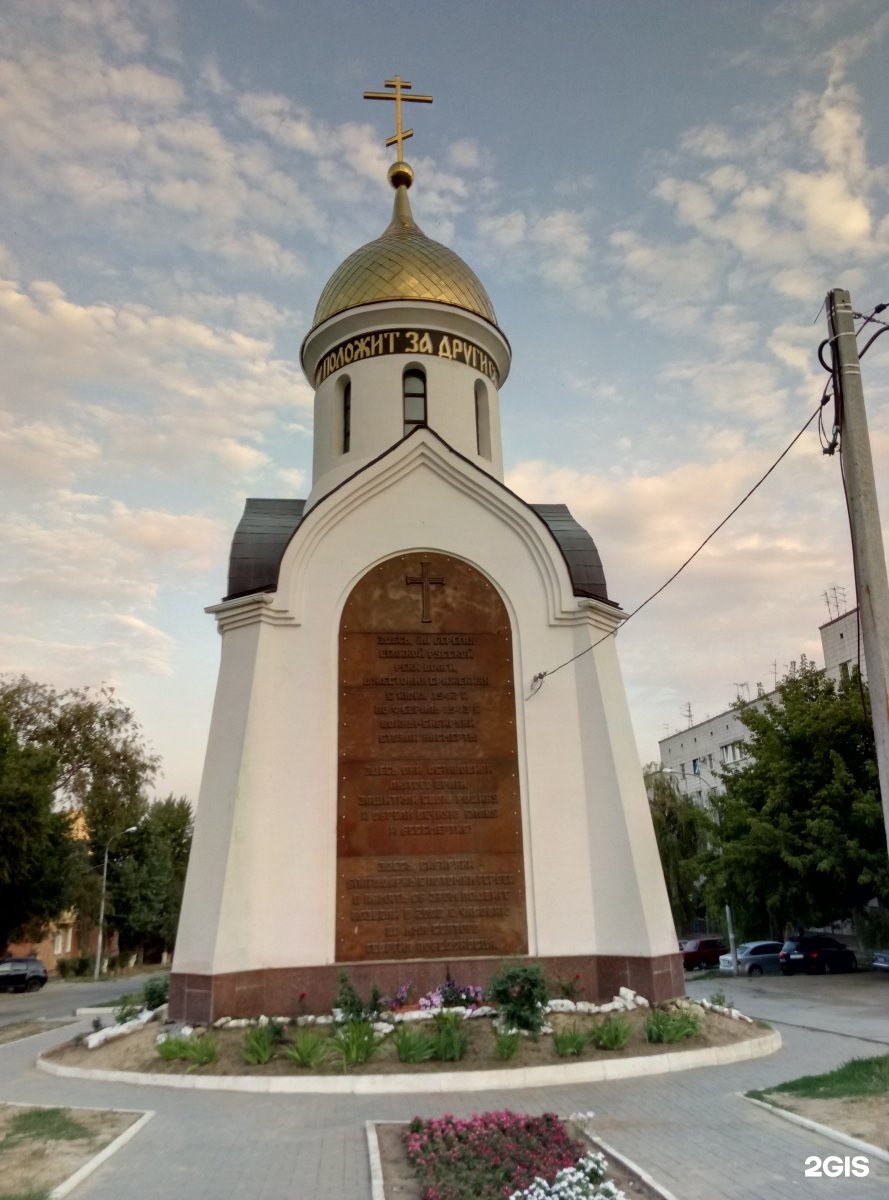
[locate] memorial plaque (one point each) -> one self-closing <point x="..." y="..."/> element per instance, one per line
<point x="429" y="831"/>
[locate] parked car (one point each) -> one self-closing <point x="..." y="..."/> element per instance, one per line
<point x="701" y="951"/>
<point x="816" y="954"/>
<point x="880" y="960"/>
<point x="21" y="974"/>
<point x="754" y="958"/>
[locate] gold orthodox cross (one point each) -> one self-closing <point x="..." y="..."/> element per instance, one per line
<point x="400" y="85"/>
<point x="425" y="582"/>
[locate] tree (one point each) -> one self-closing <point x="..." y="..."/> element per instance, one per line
<point x="103" y="766"/>
<point x="38" y="861"/>
<point x="147" y="878"/>
<point x="800" y="838"/>
<point x="682" y="829"/>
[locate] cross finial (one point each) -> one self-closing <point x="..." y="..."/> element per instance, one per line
<point x="400" y="86"/>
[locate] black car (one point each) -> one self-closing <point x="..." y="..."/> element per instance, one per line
<point x="815" y="954"/>
<point x="21" y="974"/>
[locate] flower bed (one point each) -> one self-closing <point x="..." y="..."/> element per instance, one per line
<point x="497" y="1155"/>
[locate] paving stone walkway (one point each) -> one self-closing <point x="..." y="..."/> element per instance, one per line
<point x="691" y="1131"/>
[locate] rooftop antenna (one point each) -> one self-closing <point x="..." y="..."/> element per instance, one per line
<point x="686" y="712"/>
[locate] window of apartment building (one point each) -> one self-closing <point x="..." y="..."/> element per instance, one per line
<point x="731" y="752"/>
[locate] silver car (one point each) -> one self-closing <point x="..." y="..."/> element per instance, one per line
<point x="754" y="958"/>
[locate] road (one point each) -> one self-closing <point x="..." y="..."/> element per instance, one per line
<point x="59" y="998"/>
<point x="855" y="1005"/>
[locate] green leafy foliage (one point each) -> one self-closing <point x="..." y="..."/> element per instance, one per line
<point x="450" y="1040"/>
<point x="199" y="1051"/>
<point x="412" y="1045"/>
<point x="126" y="1010"/>
<point x="308" y="1048"/>
<point x="259" y="1044"/>
<point x="38" y="858"/>
<point x="156" y="991"/>
<point x="683" y="831"/>
<point x="671" y="1025"/>
<point x="507" y="1043"/>
<point x="521" y="994"/>
<point x="612" y="1034"/>
<point x="569" y="1043"/>
<point x="354" y="1042"/>
<point x="857" y="1077"/>
<point x="800" y="838"/>
<point x="55" y="1124"/>
<point x="147" y="883"/>
<point x="348" y="1000"/>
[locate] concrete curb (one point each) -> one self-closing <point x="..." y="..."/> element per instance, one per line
<point x="557" y="1075"/>
<point x="93" y="1012"/>
<point x="62" y="1022"/>
<point x="610" y="1152"/>
<point x="377" y="1191"/>
<point x="835" y="1135"/>
<point x="69" y="1184"/>
<point x="94" y="1163"/>
<point x="376" y="1167"/>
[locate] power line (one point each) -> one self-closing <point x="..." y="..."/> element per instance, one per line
<point x="537" y="681"/>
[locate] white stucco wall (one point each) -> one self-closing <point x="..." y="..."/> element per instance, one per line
<point x="376" y="400"/>
<point x="261" y="888"/>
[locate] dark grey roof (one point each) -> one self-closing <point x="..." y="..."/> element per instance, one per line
<point x="259" y="544"/>
<point x="268" y="525"/>
<point x="578" y="549"/>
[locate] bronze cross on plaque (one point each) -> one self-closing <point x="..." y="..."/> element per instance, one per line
<point x="400" y="135"/>
<point x="425" y="582"/>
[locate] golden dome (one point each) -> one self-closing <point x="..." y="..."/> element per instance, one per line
<point x="403" y="264"/>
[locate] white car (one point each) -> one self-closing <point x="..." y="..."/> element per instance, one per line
<point x="880" y="960"/>
<point x="754" y="958"/>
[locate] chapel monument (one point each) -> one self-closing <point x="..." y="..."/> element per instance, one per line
<point x="387" y="789"/>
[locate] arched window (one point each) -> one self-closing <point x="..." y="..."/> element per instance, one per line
<point x="482" y="420"/>
<point x="414" y="395"/>
<point x="347" y="416"/>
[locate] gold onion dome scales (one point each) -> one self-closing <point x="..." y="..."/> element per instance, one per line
<point x="403" y="263"/>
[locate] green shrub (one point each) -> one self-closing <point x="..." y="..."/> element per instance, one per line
<point x="412" y="1045"/>
<point x="259" y="1044"/>
<point x="355" y="1042"/>
<point x="666" y="1026"/>
<point x="612" y="1034"/>
<point x="82" y="965"/>
<point x="128" y="1008"/>
<point x="506" y="1043"/>
<point x="719" y="999"/>
<point x="308" y="1049"/>
<point x="349" y="1001"/>
<point x="521" y="994"/>
<point x="156" y="991"/>
<point x="112" y="963"/>
<point x="65" y="967"/>
<point x="450" y="1041"/>
<point x="569" y="1043"/>
<point x="196" y="1050"/>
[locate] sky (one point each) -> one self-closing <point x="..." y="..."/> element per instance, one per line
<point x="656" y="194"/>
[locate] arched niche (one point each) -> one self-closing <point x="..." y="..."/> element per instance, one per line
<point x="429" y="832"/>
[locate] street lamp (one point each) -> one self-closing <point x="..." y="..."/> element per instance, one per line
<point x="114" y="836"/>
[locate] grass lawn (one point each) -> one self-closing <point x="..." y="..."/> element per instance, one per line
<point x="857" y="1078"/>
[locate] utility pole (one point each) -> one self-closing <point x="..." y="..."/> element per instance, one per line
<point x="867" y="536"/>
